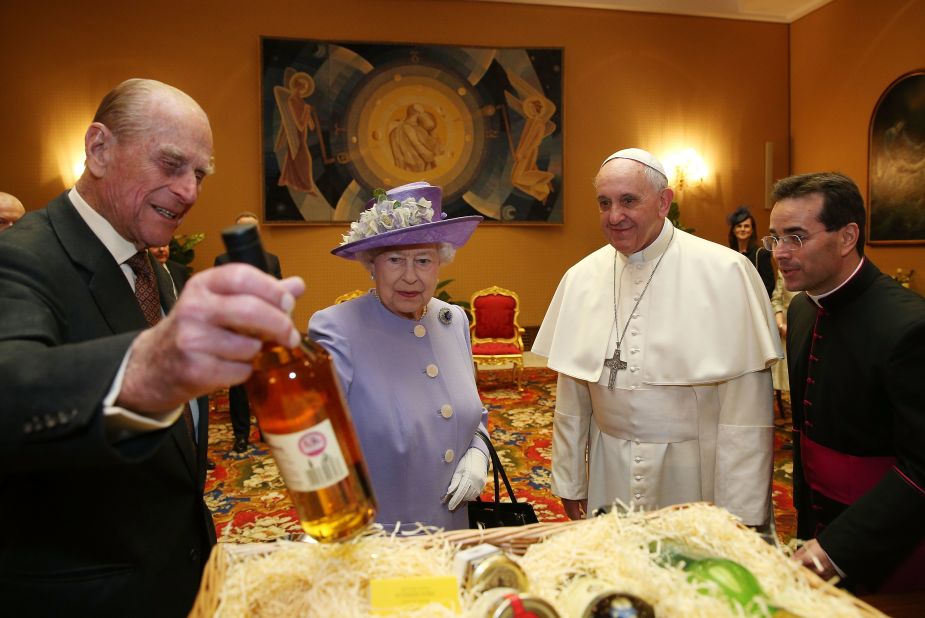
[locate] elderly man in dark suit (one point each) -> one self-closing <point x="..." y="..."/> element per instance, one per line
<point x="98" y="444"/>
<point x="238" y="407"/>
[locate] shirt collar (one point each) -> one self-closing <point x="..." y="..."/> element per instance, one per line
<point x="817" y="299"/>
<point x="120" y="248"/>
<point x="658" y="246"/>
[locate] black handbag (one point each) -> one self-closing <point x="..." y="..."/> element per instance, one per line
<point x="498" y="514"/>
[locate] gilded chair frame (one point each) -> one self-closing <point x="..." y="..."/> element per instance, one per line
<point x="517" y="360"/>
<point x="349" y="296"/>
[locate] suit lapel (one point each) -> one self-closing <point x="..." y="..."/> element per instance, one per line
<point x="165" y="285"/>
<point x="105" y="280"/>
<point x="111" y="290"/>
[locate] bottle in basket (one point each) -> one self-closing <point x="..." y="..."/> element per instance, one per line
<point x="299" y="405"/>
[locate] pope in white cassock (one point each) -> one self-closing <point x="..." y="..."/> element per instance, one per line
<point x="663" y="343"/>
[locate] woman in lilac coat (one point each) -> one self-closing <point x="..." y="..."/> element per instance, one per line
<point x="405" y="363"/>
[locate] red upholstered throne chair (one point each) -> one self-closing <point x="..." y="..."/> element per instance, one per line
<point x="497" y="339"/>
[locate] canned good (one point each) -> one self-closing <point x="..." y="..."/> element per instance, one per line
<point x="587" y="597"/>
<point x="497" y="571"/>
<point x="510" y="603"/>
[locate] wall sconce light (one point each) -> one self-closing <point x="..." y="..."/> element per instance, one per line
<point x="70" y="164"/>
<point x="685" y="169"/>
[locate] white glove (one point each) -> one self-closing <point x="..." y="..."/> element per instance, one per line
<point x="468" y="479"/>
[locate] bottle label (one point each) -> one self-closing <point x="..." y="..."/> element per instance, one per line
<point x="309" y="460"/>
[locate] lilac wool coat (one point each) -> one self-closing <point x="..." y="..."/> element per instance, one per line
<point x="412" y="395"/>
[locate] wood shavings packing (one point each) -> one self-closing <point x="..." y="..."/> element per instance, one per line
<point x="615" y="548"/>
<point x="308" y="580"/>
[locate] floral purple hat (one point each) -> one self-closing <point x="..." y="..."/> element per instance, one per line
<point x="407" y="215"/>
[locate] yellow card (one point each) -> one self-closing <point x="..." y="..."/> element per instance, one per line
<point x="392" y="594"/>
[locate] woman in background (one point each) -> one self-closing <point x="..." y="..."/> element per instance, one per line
<point x="780" y="301"/>
<point x="405" y="362"/>
<point x="743" y="237"/>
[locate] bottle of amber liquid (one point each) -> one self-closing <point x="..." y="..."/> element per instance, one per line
<point x="299" y="404"/>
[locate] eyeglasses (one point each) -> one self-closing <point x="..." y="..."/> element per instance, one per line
<point x="788" y="242"/>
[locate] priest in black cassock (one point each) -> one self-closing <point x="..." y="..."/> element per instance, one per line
<point x="856" y="348"/>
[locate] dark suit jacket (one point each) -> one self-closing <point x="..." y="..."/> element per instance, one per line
<point x="89" y="527"/>
<point x="178" y="273"/>
<point x="861" y="395"/>
<point x="272" y="263"/>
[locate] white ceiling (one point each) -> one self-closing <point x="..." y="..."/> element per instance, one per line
<point x="784" y="11"/>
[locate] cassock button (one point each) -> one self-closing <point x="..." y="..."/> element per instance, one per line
<point x="419" y="331"/>
<point x="446" y="410"/>
<point x="432" y="371"/>
<point x="448" y="455"/>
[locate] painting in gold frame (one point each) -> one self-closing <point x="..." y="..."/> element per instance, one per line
<point x="896" y="177"/>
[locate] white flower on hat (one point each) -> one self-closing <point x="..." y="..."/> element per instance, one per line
<point x="388" y="214"/>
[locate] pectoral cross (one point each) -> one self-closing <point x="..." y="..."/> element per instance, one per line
<point x="614" y="364"/>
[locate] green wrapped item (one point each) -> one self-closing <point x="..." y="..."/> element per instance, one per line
<point x="737" y="584"/>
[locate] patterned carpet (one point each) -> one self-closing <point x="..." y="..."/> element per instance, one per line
<point x="249" y="501"/>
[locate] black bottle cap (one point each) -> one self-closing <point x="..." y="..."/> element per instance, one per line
<point x="243" y="245"/>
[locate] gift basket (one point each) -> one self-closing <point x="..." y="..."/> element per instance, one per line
<point x="690" y="560"/>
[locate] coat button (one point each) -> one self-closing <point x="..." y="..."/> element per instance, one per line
<point x="638" y="495"/>
<point x="419" y="331"/>
<point x="637" y="459"/>
<point x="448" y="455"/>
<point x="193" y="555"/>
<point x="446" y="410"/>
<point x="638" y="477"/>
<point x="432" y="371"/>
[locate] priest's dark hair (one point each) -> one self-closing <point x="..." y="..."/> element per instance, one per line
<point x="841" y="200"/>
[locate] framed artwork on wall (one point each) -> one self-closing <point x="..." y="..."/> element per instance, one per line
<point x="896" y="175"/>
<point x="339" y="119"/>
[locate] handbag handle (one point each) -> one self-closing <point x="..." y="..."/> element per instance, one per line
<point x="498" y="468"/>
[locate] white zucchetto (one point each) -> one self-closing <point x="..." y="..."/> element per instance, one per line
<point x="639" y="155"/>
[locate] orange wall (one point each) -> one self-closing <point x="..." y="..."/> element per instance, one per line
<point x="631" y="79"/>
<point x="843" y="57"/>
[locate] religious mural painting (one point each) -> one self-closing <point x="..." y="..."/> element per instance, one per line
<point x="897" y="163"/>
<point x="340" y="119"/>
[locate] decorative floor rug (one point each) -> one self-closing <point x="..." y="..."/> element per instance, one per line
<point x="249" y="501"/>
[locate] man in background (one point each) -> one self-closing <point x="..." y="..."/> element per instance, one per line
<point x="238" y="407"/>
<point x="11" y="210"/>
<point x="856" y="353"/>
<point x="662" y="341"/>
<point x="178" y="272"/>
<point x="97" y="442"/>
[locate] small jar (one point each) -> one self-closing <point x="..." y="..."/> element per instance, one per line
<point x="497" y="571"/>
<point x="510" y="603"/>
<point x="587" y="597"/>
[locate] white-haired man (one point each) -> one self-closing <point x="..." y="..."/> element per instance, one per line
<point x="662" y="341"/>
<point x="99" y="362"/>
